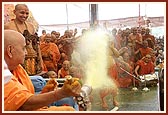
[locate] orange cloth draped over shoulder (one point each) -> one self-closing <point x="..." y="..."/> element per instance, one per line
<point x="145" y="51"/>
<point x="145" y="68"/>
<point x="19" y="89"/>
<point x="51" y="52"/>
<point x="63" y="73"/>
<point x="52" y="49"/>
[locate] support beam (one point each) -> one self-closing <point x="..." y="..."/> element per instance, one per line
<point x="93" y="15"/>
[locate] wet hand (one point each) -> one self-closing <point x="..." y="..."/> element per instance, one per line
<point x="72" y="86"/>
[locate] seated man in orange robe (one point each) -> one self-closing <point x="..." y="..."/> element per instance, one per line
<point x="144" y="66"/>
<point x="144" y="50"/>
<point x="64" y="70"/>
<point x="19" y="92"/>
<point x="50" y="54"/>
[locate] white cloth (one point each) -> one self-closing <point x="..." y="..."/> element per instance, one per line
<point x="7" y="73"/>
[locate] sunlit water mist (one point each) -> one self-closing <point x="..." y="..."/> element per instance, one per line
<point x="95" y="54"/>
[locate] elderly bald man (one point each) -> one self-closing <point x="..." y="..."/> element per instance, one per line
<point x="19" y="91"/>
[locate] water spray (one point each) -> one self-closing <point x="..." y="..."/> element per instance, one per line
<point x="96" y="59"/>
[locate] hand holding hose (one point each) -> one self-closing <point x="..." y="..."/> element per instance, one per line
<point x="72" y="86"/>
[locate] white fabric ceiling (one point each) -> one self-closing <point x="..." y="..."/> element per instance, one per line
<point x="55" y="13"/>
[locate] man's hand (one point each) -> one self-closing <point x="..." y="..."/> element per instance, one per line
<point x="50" y="86"/>
<point x="72" y="86"/>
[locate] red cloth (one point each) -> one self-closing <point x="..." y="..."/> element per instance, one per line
<point x="63" y="73"/>
<point x="149" y="36"/>
<point x="113" y="73"/>
<point x="124" y="79"/>
<point x="145" y="68"/>
<point x="145" y="51"/>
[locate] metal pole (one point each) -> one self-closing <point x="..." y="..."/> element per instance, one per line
<point x="94" y="15"/>
<point x="130" y="74"/>
<point x="139" y="21"/>
<point x="67" y="16"/>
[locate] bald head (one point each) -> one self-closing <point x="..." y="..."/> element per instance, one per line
<point x="12" y="37"/>
<point x="21" y="12"/>
<point x="14" y="48"/>
<point x="19" y="6"/>
<point x="66" y="62"/>
<point x="66" y="65"/>
<point x="73" y="71"/>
